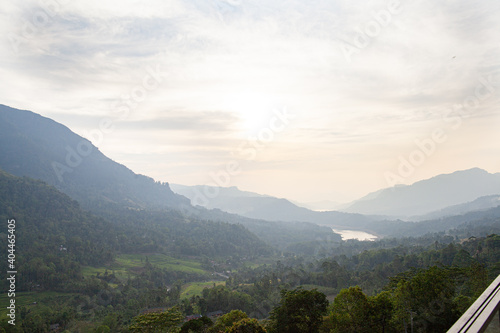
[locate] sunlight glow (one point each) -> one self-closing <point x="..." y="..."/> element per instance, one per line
<point x="253" y="108"/>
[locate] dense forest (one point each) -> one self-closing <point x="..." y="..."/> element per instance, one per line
<point x="55" y="236"/>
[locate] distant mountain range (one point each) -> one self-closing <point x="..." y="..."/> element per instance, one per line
<point x="480" y="204"/>
<point x="264" y="207"/>
<point x="40" y="148"/>
<point x="483" y="222"/>
<point x="428" y="196"/>
<point x="321" y="206"/>
<point x="444" y="195"/>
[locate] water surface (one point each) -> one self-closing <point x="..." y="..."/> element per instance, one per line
<point x="355" y="234"/>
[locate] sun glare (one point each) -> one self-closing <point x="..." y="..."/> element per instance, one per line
<point x="253" y="109"/>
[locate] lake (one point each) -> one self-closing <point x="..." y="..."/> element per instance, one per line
<point x="355" y="234"/>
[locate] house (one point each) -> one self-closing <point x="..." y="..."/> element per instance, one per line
<point x="216" y="314"/>
<point x="192" y="317"/>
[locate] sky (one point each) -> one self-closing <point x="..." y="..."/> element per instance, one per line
<point x="308" y="100"/>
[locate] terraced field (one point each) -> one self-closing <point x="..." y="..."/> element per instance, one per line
<point x="196" y="288"/>
<point x="130" y="264"/>
<point x="28" y="299"/>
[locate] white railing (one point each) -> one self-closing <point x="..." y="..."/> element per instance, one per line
<point x="479" y="316"/>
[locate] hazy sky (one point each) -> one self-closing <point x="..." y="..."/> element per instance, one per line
<point x="309" y="100"/>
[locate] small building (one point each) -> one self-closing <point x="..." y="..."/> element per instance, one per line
<point x="192" y="317"/>
<point x="215" y="314"/>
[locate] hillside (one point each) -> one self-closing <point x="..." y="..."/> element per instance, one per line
<point x="46" y="222"/>
<point x="71" y="263"/>
<point x="482" y="219"/>
<point x="48" y="219"/>
<point x="30" y="145"/>
<point x="429" y="195"/>
<point x="38" y="147"/>
<point x="482" y="203"/>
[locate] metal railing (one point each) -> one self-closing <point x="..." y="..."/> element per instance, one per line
<point x="478" y="318"/>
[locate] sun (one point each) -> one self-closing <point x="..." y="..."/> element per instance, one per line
<point x="254" y="109"/>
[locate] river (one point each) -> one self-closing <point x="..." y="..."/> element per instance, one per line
<point x="355" y="234"/>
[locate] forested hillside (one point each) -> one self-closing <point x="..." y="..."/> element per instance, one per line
<point x="40" y="148"/>
<point x="54" y="237"/>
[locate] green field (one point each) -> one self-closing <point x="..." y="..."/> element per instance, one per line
<point x="161" y="261"/>
<point x="130" y="264"/>
<point x="27" y="299"/>
<point x="196" y="288"/>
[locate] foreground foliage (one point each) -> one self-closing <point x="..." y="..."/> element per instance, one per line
<point x="166" y="321"/>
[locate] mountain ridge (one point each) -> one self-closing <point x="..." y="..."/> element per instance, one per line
<point x="429" y="195"/>
<point x="36" y="146"/>
<point x="30" y="144"/>
<point x="480" y="204"/>
<point x="53" y="153"/>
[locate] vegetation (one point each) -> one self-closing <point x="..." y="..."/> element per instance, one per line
<point x="227" y="321"/>
<point x="298" y="311"/>
<point x="197" y="325"/>
<point x="153" y="322"/>
<point x="147" y="270"/>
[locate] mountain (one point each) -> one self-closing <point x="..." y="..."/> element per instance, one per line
<point x="482" y="203"/>
<point x="38" y="147"/>
<point x="324" y="205"/>
<point x="429" y="195"/>
<point x="228" y="199"/>
<point x="488" y="221"/>
<point x="263" y="207"/>
<point x="233" y="200"/>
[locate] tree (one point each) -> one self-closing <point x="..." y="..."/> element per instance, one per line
<point x="103" y="329"/>
<point x="197" y="325"/>
<point x="247" y="325"/>
<point x="350" y="311"/>
<point x="228" y="320"/>
<point x="298" y="311"/>
<point x="167" y="321"/>
<point x="426" y="301"/>
<point x="381" y="312"/>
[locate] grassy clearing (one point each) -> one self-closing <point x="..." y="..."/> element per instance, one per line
<point x="120" y="272"/>
<point x="161" y="261"/>
<point x="196" y="288"/>
<point x="27" y="299"/>
<point x="126" y="265"/>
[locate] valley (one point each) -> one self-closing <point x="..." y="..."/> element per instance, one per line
<point x="106" y="245"/>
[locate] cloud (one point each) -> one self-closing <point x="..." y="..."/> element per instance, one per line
<point x="83" y="57"/>
<point x="214" y="121"/>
